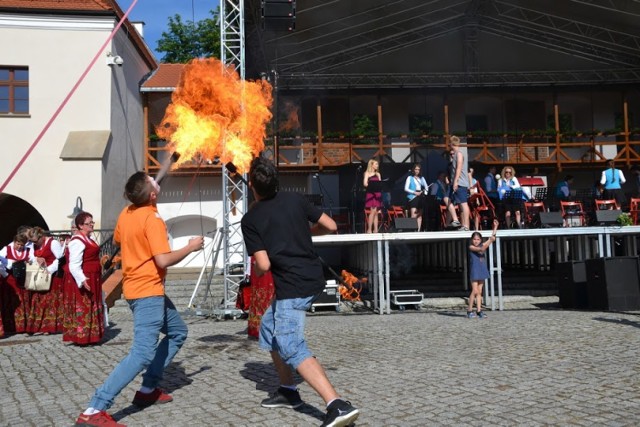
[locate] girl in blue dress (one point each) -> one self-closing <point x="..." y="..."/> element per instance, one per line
<point x="478" y="270"/>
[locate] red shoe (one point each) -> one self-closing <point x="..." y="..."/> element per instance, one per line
<point x="100" y="419"/>
<point x="148" y="399"/>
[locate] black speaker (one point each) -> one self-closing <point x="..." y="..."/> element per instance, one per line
<point x="278" y="9"/>
<point x="608" y="217"/>
<point x="572" y="284"/>
<point x="278" y="15"/>
<point x="613" y="283"/>
<point x="551" y="219"/>
<point x="406" y="224"/>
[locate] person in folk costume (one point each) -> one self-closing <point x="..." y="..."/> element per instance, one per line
<point x="46" y="313"/>
<point x="14" y="299"/>
<point x="3" y="275"/>
<point x="83" y="308"/>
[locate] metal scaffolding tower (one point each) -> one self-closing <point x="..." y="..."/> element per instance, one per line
<point x="234" y="189"/>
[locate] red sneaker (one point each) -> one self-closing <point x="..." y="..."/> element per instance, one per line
<point x="148" y="399"/>
<point x="100" y="419"/>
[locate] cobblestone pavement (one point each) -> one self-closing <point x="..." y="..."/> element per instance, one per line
<point x="531" y="364"/>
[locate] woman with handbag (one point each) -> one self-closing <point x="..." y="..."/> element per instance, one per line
<point x="45" y="312"/>
<point x="83" y="308"/>
<point x="14" y="299"/>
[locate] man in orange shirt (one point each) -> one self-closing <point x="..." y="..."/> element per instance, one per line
<point x="142" y="236"/>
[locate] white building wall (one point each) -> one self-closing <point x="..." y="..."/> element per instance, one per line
<point x="57" y="50"/>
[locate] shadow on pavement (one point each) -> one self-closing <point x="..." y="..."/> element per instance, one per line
<point x="626" y="322"/>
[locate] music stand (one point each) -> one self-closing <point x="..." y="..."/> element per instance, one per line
<point x="383" y="186"/>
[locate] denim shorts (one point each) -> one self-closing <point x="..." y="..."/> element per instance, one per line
<point x="282" y="330"/>
<point x="460" y="196"/>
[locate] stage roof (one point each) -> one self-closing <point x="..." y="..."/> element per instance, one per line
<point x="447" y="43"/>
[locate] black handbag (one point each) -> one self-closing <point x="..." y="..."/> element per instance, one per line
<point x="61" y="262"/>
<point x="19" y="272"/>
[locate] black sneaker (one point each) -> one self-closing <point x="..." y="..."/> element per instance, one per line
<point x="282" y="398"/>
<point x="340" y="413"/>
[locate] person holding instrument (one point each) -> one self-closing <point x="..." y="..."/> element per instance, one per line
<point x="416" y="186"/>
<point x="373" y="199"/>
<point x="512" y="203"/>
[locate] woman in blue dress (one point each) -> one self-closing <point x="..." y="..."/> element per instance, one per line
<point x="478" y="270"/>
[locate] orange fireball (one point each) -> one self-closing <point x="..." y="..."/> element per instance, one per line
<point x="215" y="114"/>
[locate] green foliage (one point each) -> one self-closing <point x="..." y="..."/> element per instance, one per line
<point x="184" y="41"/>
<point x="364" y="125"/>
<point x="624" y="219"/>
<point x="420" y="123"/>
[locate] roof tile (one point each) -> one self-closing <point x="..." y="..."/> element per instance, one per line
<point x="92" y="5"/>
<point x="166" y="76"/>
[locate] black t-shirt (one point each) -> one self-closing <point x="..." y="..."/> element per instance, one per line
<point x="280" y="226"/>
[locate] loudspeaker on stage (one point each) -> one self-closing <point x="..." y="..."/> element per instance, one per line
<point x="406" y="224"/>
<point x="551" y="219"/>
<point x="608" y="217"/>
<point x="572" y="284"/>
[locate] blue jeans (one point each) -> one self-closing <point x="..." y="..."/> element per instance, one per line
<point x="282" y="330"/>
<point x="151" y="316"/>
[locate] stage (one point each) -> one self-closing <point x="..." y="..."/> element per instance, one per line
<point x="376" y="254"/>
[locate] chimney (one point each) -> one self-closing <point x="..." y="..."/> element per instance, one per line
<point x="139" y="26"/>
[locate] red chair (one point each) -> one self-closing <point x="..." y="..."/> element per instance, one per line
<point x="393" y="212"/>
<point x="604" y="205"/>
<point x="481" y="210"/>
<point x="532" y="214"/>
<point x="572" y="213"/>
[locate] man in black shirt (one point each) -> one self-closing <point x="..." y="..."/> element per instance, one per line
<point x="276" y="232"/>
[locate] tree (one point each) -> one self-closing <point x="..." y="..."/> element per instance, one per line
<point x="184" y="41"/>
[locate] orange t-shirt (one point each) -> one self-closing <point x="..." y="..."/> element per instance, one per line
<point x="141" y="234"/>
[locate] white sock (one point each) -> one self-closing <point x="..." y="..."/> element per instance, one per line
<point x="146" y="390"/>
<point x="289" y="387"/>
<point x="91" y="411"/>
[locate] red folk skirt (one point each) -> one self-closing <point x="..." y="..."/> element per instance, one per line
<point x="83" y="311"/>
<point x="46" y="314"/>
<point x="14" y="306"/>
<point x="262" y="293"/>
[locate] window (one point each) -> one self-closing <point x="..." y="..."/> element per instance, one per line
<point x="14" y="90"/>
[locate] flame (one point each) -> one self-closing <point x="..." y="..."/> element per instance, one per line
<point x="291" y="110"/>
<point x="214" y="114"/>
<point x="352" y="287"/>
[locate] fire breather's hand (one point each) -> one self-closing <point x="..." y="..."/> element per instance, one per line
<point x="196" y="243"/>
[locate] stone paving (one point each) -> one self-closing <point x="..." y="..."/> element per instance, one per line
<point x="532" y="364"/>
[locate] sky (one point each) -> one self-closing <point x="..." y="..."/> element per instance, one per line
<point x="155" y="14"/>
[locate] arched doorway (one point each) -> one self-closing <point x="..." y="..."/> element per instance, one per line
<point x="15" y="212"/>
